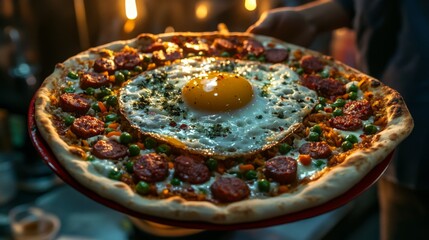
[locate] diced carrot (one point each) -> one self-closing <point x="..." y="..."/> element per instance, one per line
<point x="85" y="143"/>
<point x="141" y="145"/>
<point x="114" y="133"/>
<point x="113" y="125"/>
<point x="246" y="167"/>
<point x="112" y="78"/>
<point x="103" y="108"/>
<point x="305" y="159"/>
<point x="283" y="189"/>
<point x="170" y="165"/>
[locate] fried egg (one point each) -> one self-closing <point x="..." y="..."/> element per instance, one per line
<point x="218" y="107"/>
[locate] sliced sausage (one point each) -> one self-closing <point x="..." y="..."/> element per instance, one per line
<point x="74" y="103"/>
<point x="127" y="60"/>
<point x="281" y="169"/>
<point x="311" y="64"/>
<point x="346" y="122"/>
<point x="253" y="47"/>
<point x="87" y="126"/>
<point x="310" y="81"/>
<point x="276" y="55"/>
<point x="156" y="46"/>
<point x="151" y="167"/>
<point x="229" y="189"/>
<point x="223" y="44"/>
<point x="109" y="150"/>
<point x="94" y="80"/>
<point x="190" y="170"/>
<point x="328" y="87"/>
<point x="159" y="57"/>
<point x="360" y="109"/>
<point x="316" y="150"/>
<point x="104" y="64"/>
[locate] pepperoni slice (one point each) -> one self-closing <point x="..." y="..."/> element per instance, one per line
<point x="328" y="87"/>
<point x="151" y="167"/>
<point x="223" y="44"/>
<point x="229" y="189"/>
<point x="276" y="55"/>
<point x="254" y="47"/>
<point x="190" y="170"/>
<point x="346" y="122"/>
<point x="360" y="109"/>
<point x="87" y="126"/>
<point x="281" y="169"/>
<point x="310" y="81"/>
<point x="311" y="64"/>
<point x="104" y="64"/>
<point x="316" y="149"/>
<point x="75" y="103"/>
<point x="109" y="149"/>
<point x="94" y="80"/>
<point x="127" y="60"/>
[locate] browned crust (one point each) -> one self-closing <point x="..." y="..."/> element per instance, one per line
<point x="334" y="181"/>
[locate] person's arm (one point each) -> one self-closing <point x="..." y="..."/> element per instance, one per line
<point x="299" y="25"/>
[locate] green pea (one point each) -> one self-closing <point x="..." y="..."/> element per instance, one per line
<point x="284" y="148"/>
<point x="370" y="129"/>
<point x="261" y="58"/>
<point x="111" y="117"/>
<point x="163" y="148"/>
<point x="352" y="138"/>
<point x="225" y="54"/>
<point x="129" y="166"/>
<point x="68" y="120"/>
<point x="138" y="69"/>
<point x="105" y="92"/>
<point x="319" y="107"/>
<point x="142" y="188"/>
<point x="175" y="182"/>
<point x="125" y="138"/>
<point x="90" y="91"/>
<point x="211" y="164"/>
<point x="134" y="150"/>
<point x="318" y="163"/>
<point x="126" y="73"/>
<point x="147" y="59"/>
<point x="115" y="175"/>
<point x="119" y="77"/>
<point x="264" y="185"/>
<point x="112" y="100"/>
<point x="72" y="75"/>
<point x="337" y="112"/>
<point x="339" y="103"/>
<point x="95" y="107"/>
<point x="251" y="174"/>
<point x="299" y="71"/>
<point x="353" y="88"/>
<point x="316" y="128"/>
<point x="313" y="136"/>
<point x="69" y="90"/>
<point x="322" y="100"/>
<point x="90" y="158"/>
<point x="325" y="73"/>
<point x="346" y="145"/>
<point x="251" y="57"/>
<point x="150" y="143"/>
<point x="202" y="190"/>
<point x="107" y="130"/>
<point x="353" y="95"/>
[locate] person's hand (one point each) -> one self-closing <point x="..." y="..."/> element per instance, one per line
<point x="286" y="24"/>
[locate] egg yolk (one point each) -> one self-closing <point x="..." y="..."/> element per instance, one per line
<point x="217" y="92"/>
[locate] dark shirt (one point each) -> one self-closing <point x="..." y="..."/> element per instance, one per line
<point x="393" y="45"/>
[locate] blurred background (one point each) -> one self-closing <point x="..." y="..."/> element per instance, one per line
<point x="35" y="35"/>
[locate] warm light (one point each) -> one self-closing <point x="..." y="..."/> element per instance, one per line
<point x="129" y="26"/>
<point x="250" y="5"/>
<point x="169" y="29"/>
<point x="202" y="10"/>
<point x="131" y="9"/>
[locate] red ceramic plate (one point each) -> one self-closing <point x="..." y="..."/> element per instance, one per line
<point x="339" y="201"/>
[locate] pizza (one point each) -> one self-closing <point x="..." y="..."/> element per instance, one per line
<point x="216" y="127"/>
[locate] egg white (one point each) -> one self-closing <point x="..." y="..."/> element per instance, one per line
<point x="153" y="104"/>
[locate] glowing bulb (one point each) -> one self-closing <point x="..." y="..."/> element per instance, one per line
<point x="131" y="9"/>
<point x="201" y="10"/>
<point x="250" y="5"/>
